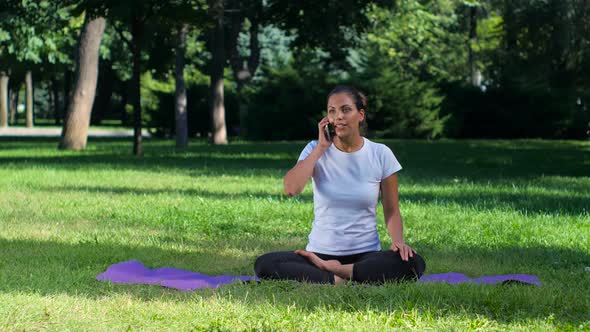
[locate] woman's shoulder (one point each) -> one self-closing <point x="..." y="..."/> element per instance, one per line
<point x="385" y="158"/>
<point x="307" y="150"/>
<point x="378" y="148"/>
<point x="311" y="144"/>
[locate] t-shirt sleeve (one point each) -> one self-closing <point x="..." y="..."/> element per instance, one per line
<point x="307" y="150"/>
<point x="390" y="163"/>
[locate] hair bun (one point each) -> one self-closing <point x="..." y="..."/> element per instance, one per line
<point x="363" y="99"/>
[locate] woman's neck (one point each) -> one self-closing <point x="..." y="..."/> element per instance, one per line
<point x="349" y="144"/>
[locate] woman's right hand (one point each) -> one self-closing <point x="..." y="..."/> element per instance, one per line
<point x="296" y="178"/>
<point x="323" y="141"/>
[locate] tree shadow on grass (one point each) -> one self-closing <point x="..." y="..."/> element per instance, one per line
<point x="424" y="162"/>
<point x="196" y="166"/>
<point x="119" y="190"/>
<point x="493" y="159"/>
<point x="49" y="267"/>
<point x="524" y="202"/>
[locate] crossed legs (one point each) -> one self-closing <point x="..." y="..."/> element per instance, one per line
<point x="371" y="267"/>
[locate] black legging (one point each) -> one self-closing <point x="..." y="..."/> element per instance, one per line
<point x="371" y="267"/>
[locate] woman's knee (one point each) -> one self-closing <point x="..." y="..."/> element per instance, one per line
<point x="267" y="264"/>
<point x="388" y="266"/>
<point x="263" y="264"/>
<point x="416" y="263"/>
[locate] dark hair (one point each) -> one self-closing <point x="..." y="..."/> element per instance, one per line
<point x="359" y="98"/>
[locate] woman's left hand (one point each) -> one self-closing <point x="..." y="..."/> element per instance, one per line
<point x="405" y="251"/>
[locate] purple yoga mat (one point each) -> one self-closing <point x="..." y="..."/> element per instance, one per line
<point x="454" y="278"/>
<point x="134" y="272"/>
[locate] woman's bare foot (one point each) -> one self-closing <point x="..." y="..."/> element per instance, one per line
<point x="338" y="280"/>
<point x="341" y="272"/>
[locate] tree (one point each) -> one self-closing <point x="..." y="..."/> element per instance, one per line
<point x="180" y="100"/>
<point x="172" y="28"/>
<point x="138" y="20"/>
<point x="134" y="15"/>
<point x="475" y="73"/>
<point x="32" y="40"/>
<point x="13" y="103"/>
<point x="19" y="46"/>
<point x="75" y="129"/>
<point x="132" y="21"/>
<point x="79" y="112"/>
<point x="29" y="99"/>
<point x="3" y="99"/>
<point x="408" y="52"/>
<point x="216" y="9"/>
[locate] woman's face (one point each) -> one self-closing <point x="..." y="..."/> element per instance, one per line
<point x="344" y="115"/>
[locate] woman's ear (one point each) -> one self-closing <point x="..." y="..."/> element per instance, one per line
<point x="362" y="112"/>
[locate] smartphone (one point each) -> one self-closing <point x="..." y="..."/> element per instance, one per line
<point x="329" y="131"/>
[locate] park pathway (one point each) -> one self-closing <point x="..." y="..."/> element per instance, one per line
<point x="56" y="132"/>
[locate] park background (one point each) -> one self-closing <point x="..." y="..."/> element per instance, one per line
<point x="485" y="104"/>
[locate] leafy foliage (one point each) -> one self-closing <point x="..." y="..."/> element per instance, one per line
<point x="414" y="58"/>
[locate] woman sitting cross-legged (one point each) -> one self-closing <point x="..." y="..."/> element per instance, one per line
<point x="348" y="171"/>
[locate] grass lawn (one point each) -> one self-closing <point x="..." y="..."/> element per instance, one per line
<point x="475" y="207"/>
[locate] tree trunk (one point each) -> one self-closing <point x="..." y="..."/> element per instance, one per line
<point x="75" y="129"/>
<point x="475" y="73"/>
<point x="217" y="65"/>
<point x="136" y="31"/>
<point x="55" y="97"/>
<point x="13" y="104"/>
<point x="29" y="88"/>
<point x="180" y="94"/>
<point x="3" y="99"/>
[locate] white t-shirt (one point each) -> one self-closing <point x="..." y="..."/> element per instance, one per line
<point x="345" y="194"/>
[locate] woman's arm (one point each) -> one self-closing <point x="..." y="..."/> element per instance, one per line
<point x="393" y="217"/>
<point x="296" y="178"/>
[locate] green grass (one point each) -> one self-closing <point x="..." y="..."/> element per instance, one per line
<point x="475" y="207"/>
